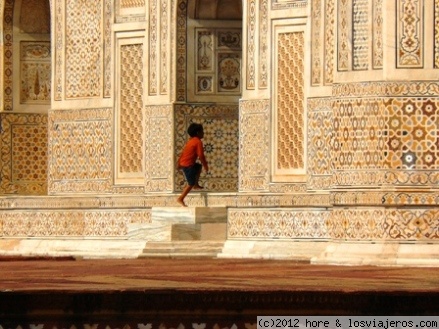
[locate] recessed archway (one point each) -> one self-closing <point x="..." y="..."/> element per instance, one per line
<point x="215" y="9"/>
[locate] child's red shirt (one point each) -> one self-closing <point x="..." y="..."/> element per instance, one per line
<point x="193" y="149"/>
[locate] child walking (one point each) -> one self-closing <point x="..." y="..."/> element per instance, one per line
<point x="192" y="151"/>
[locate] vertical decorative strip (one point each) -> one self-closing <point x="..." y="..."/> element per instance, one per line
<point x="436" y="34"/>
<point x="263" y="44"/>
<point x="316" y="24"/>
<point x="107" y="47"/>
<point x="59" y="46"/>
<point x="83" y="51"/>
<point x="290" y="101"/>
<point x="181" y="50"/>
<point x="251" y="47"/>
<point x="360" y="32"/>
<point x="130" y="137"/>
<point x="343" y="35"/>
<point x="153" y="67"/>
<point x="164" y="10"/>
<point x="377" y="33"/>
<point x="409" y="49"/>
<point x="329" y="52"/>
<point x="8" y="53"/>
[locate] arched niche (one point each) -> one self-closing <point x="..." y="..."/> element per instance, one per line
<point x="215" y="9"/>
<point x="27" y="56"/>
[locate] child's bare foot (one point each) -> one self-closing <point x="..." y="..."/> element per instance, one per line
<point x="198" y="187"/>
<point x="181" y="202"/>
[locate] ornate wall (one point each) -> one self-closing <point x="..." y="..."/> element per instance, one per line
<point x="320" y="116"/>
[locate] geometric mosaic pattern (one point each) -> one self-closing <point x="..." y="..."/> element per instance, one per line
<point x="254" y="139"/>
<point x="360" y="35"/>
<point x="159" y="167"/>
<point x="387" y="140"/>
<point x="320" y="142"/>
<point x="7" y="53"/>
<point x="350" y="224"/>
<point x="130" y="133"/>
<point x="70" y="223"/>
<point x="290" y="107"/>
<point x="220" y="141"/>
<point x="23" y="162"/>
<point x="84" y="56"/>
<point x="355" y="44"/>
<point x="277" y="224"/>
<point x="80" y="150"/>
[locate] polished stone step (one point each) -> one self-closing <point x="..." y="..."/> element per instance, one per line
<point x="187" y="224"/>
<point x="180" y="249"/>
<point x="189" y="215"/>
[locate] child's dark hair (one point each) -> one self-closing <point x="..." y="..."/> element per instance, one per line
<point x="194" y="129"/>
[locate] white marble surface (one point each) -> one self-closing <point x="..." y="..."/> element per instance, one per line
<point x="80" y="248"/>
<point x="189" y="215"/>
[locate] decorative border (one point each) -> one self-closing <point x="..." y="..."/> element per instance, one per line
<point x="251" y="45"/>
<point x="409" y="50"/>
<point x="389" y="89"/>
<point x="286" y="4"/>
<point x="329" y="51"/>
<point x="263" y="44"/>
<point x="8" y="54"/>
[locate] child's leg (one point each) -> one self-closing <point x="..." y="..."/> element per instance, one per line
<point x="197" y="177"/>
<point x="183" y="194"/>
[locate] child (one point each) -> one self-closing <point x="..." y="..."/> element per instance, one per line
<point x="187" y="162"/>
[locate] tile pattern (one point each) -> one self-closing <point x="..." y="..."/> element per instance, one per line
<point x="264" y="53"/>
<point x="153" y="48"/>
<point x="130" y="132"/>
<point x="80" y="151"/>
<point x="159" y="166"/>
<point x="354" y="21"/>
<point x="8" y="54"/>
<point x="254" y="137"/>
<point x="277" y="224"/>
<point x="83" y="66"/>
<point x="73" y="20"/>
<point x="343" y="53"/>
<point x="360" y="34"/>
<point x="316" y="45"/>
<point x="290" y="101"/>
<point x="181" y="51"/>
<point x="165" y="39"/>
<point x="377" y="41"/>
<point x="251" y="45"/>
<point x="70" y="223"/>
<point x="410" y="34"/>
<point x="347" y="224"/>
<point x="329" y="30"/>
<point x="319" y="148"/>
<point x="23" y="162"/>
<point x="386" y="140"/>
<point x="220" y="143"/>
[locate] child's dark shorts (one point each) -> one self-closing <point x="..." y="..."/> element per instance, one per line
<point x="190" y="173"/>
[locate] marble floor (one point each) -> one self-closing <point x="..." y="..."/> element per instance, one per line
<point x="49" y="293"/>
